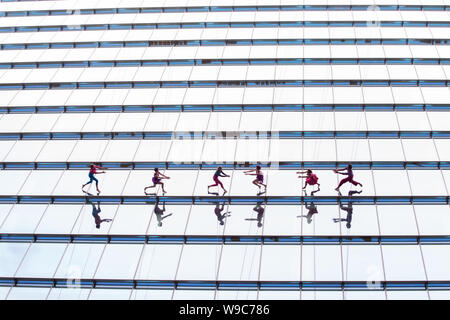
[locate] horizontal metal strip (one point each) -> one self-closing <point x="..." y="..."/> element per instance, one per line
<point x="220" y="135"/>
<point x="227" y="62"/>
<point x="123" y="10"/>
<point x="230" y="42"/>
<point x="225" y="239"/>
<point x="213" y="285"/>
<point x="194" y="165"/>
<point x="227" y="24"/>
<point x="242" y="200"/>
<point x="224" y="84"/>
<point x="224" y="108"/>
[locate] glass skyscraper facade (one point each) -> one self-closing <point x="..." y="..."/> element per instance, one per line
<point x="187" y="86"/>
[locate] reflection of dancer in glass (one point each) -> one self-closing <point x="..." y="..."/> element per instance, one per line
<point x="92" y="172"/>
<point x="349" y="210"/>
<point x="311" y="179"/>
<point x="159" y="213"/>
<point x="218" y="212"/>
<point x="260" y="210"/>
<point x="312" y="209"/>
<point x="259" y="181"/>
<point x="95" y="214"/>
<point x="157" y="177"/>
<point x="217" y="174"/>
<point x="349" y="175"/>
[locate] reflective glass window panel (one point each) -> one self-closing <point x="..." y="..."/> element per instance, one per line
<point x="439" y="120"/>
<point x="419" y="150"/>
<point x="224" y="121"/>
<point x="219" y="150"/>
<point x="252" y="150"/>
<point x="318" y="121"/>
<point x="403" y="263"/>
<point x="364" y="295"/>
<point x="80" y="261"/>
<point x="280" y="263"/>
<point x="381" y="121"/>
<point x="17" y="293"/>
<point x="413" y="121"/>
<point x="439" y="295"/>
<point x="352" y="150"/>
<point x="68" y="294"/>
<point x="40" y="123"/>
<point x="4" y="292"/>
<point x="285" y="183"/>
<point x="130" y="122"/>
<point x="196" y="121"/>
<point x="185" y="150"/>
<point x="386" y="150"/>
<point x="321" y="295"/>
<point x="140" y="294"/>
<point x="433" y="220"/>
<point x="25" y="151"/>
<point x="350" y="121"/>
<point x="56" y="151"/>
<point x="4" y="211"/>
<point x="255" y="121"/>
<point x="287" y="121"/>
<point x="119" y="261"/>
<point x="88" y="150"/>
<point x="193" y="295"/>
<point x="99" y="122"/>
<point x="69" y="122"/>
<point x="120" y="150"/>
<point x="23" y="218"/>
<point x="48" y="255"/>
<point x="282" y="220"/>
<point x="285" y="150"/>
<point x="159" y="262"/>
<point x="5" y="147"/>
<point x="236" y="295"/>
<point x="152" y="150"/>
<point x="41" y="182"/>
<point x="437" y="262"/>
<point x="15" y="180"/>
<point x="407" y="295"/>
<point x="11" y="255"/>
<point x="319" y="150"/>
<point x="58" y="219"/>
<point x="363" y="263"/>
<point x="278" y="295"/>
<point x="391" y="183"/>
<point x="131" y="219"/>
<point x="240" y="263"/>
<point x="313" y="268"/>
<point x="199" y="262"/>
<point x="110" y="294"/>
<point x="427" y="183"/>
<point x="161" y="121"/>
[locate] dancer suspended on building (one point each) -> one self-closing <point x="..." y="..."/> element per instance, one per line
<point x="157" y="177"/>
<point x="259" y="181"/>
<point x="217" y="182"/>
<point x="349" y="174"/>
<point x="311" y="179"/>
<point x="92" y="172"/>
